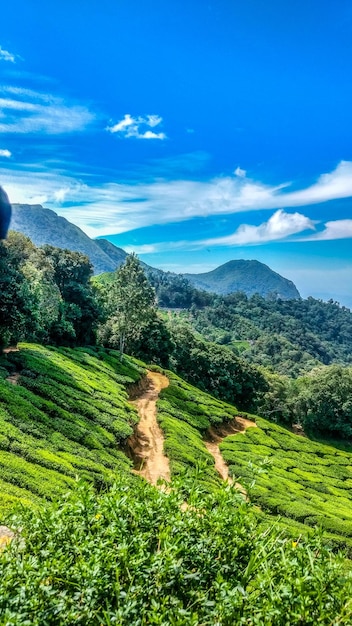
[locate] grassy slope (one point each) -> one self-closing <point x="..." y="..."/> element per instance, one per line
<point x="65" y="417"/>
<point x="69" y="415"/>
<point x="303" y="481"/>
<point x="185" y="413"/>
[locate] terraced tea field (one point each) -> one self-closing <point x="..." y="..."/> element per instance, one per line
<point x="65" y="417"/>
<point x="298" y="479"/>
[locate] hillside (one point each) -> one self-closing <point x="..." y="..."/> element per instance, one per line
<point x="44" y="226"/>
<point x="134" y="554"/>
<point x="68" y="414"/>
<point x="289" y="337"/>
<point x="247" y="276"/>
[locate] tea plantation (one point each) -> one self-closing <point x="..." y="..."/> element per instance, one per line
<point x="65" y="417"/>
<point x="294" y="477"/>
<point x="133" y="556"/>
<point x="111" y="549"/>
<point x="185" y="413"/>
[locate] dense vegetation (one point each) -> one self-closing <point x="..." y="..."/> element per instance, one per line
<point x="268" y="364"/>
<point x="137" y="556"/>
<point x="288" y="336"/>
<point x="46" y="294"/>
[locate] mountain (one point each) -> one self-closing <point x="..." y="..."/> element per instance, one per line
<point x="44" y="226"/>
<point x="248" y="276"/>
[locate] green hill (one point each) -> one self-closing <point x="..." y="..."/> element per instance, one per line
<point x="68" y="416"/>
<point x="247" y="276"/>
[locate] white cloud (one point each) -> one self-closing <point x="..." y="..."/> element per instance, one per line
<point x="5" y="55"/>
<point x="336" y="229"/>
<point x="138" y="127"/>
<point x="279" y="226"/>
<point x="240" y="172"/>
<point x="26" y="111"/>
<point x="147" y="248"/>
<point x="5" y="153"/>
<point x="118" y="207"/>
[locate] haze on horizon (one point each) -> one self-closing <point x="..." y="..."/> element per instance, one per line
<point x="192" y="134"/>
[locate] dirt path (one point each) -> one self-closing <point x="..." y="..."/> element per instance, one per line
<point x="10" y="349"/>
<point x="146" y="445"/>
<point x="216" y="435"/>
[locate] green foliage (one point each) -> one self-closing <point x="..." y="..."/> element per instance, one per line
<point x="46" y="294"/>
<point x="324" y="401"/>
<point x="286" y="336"/>
<point x="79" y="310"/>
<point x="215" y="369"/>
<point x="67" y="416"/>
<point x="303" y="480"/>
<point x="15" y="297"/>
<point x="130" y="303"/>
<point x="175" y="291"/>
<point x="136" y="556"/>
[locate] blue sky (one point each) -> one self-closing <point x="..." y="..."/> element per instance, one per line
<point x="191" y="132"/>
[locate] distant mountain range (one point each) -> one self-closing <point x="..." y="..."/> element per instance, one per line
<point x="44" y="226"/>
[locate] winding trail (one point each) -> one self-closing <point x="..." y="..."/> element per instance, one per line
<point x="146" y="445"/>
<point x="215" y="436"/>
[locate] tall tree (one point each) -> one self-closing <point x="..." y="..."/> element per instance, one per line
<point x="131" y="304"/>
<point x="80" y="312"/>
<point x="15" y="298"/>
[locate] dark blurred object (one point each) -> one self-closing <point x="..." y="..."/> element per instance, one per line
<point x="5" y="213"/>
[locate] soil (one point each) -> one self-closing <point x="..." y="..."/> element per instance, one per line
<point x="146" y="445"/>
<point x="215" y="436"/>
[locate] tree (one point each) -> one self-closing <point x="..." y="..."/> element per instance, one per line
<point x="130" y="304"/>
<point x="79" y="312"/>
<point x="324" y="401"/>
<point x="16" y="300"/>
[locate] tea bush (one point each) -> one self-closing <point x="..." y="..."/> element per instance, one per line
<point x="67" y="416"/>
<point x="304" y="480"/>
<point x="134" y="556"/>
